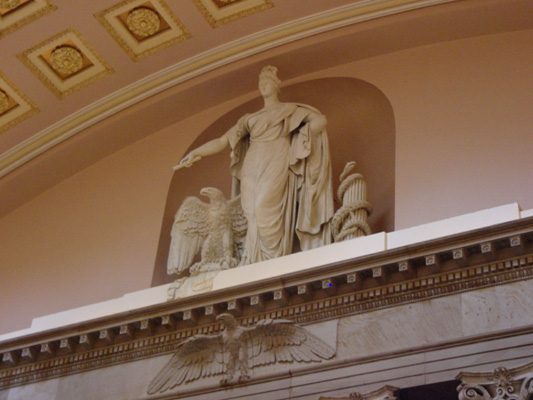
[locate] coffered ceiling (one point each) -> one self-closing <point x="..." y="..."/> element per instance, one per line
<point x="66" y="66"/>
<point x="65" y="55"/>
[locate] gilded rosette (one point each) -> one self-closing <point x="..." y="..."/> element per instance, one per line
<point x="143" y="22"/>
<point x="66" y="60"/>
<point x="65" y="63"/>
<point x="142" y="27"/>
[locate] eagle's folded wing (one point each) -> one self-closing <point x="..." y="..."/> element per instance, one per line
<point x="271" y="341"/>
<point x="197" y="357"/>
<point x="189" y="231"/>
<point x="239" y="224"/>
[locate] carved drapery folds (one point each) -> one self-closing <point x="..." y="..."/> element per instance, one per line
<point x="501" y="384"/>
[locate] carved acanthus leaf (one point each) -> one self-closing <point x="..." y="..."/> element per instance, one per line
<point x="501" y="384"/>
<point x="473" y="392"/>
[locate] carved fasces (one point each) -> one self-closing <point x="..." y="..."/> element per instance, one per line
<point x="350" y="221"/>
<point x="501" y="384"/>
<point x="238" y="349"/>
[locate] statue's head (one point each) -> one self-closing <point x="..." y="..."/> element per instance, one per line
<point x="269" y="76"/>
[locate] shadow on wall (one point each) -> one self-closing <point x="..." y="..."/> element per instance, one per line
<point x="360" y="128"/>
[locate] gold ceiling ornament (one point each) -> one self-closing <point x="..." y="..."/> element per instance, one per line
<point x="65" y="63"/>
<point x="9" y="3"/>
<point x="142" y="27"/>
<point x="143" y="21"/>
<point x="4" y="102"/>
<point x="66" y="60"/>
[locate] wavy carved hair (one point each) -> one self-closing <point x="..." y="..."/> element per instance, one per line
<point x="271" y="73"/>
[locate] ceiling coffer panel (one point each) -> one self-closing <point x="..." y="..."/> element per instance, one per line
<point x="142" y="27"/>
<point x="14" y="14"/>
<point x="65" y="63"/>
<point x="14" y="106"/>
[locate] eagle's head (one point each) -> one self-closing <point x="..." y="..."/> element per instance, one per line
<point x="228" y="320"/>
<point x="214" y="194"/>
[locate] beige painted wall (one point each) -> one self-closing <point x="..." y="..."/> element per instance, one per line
<point x="463" y="143"/>
<point x="94" y="236"/>
<point x="464" y="124"/>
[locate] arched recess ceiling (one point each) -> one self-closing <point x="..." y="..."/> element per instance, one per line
<point x="360" y="128"/>
<point x="361" y="40"/>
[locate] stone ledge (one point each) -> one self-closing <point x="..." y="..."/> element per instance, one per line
<point x="284" y="266"/>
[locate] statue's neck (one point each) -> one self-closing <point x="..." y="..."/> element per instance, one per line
<point x="271" y="101"/>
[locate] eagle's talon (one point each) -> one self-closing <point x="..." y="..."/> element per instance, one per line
<point x="226" y="381"/>
<point x="196" y="269"/>
<point x="244" y="378"/>
<point x="229" y="262"/>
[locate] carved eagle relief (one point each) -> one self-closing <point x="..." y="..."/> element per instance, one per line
<point x="237" y="349"/>
<point x="216" y="230"/>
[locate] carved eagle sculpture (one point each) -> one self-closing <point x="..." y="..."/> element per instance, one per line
<point x="217" y="229"/>
<point x="238" y="349"/>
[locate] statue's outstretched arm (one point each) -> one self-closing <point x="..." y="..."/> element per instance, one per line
<point x="212" y="147"/>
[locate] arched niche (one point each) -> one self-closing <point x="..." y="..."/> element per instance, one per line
<point x="360" y="128"/>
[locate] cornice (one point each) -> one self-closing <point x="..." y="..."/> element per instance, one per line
<point x="343" y="16"/>
<point x="456" y="264"/>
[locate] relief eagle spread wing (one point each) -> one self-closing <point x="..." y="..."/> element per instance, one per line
<point x="237" y="349"/>
<point x="216" y="230"/>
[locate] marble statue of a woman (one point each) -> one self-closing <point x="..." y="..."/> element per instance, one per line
<point x="281" y="166"/>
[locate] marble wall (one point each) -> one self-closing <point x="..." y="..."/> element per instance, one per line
<point x="409" y="345"/>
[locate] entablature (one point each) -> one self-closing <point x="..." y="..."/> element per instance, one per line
<point x="482" y="258"/>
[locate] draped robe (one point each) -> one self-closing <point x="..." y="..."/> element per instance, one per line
<point x="283" y="173"/>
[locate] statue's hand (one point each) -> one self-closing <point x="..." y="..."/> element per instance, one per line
<point x="187" y="161"/>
